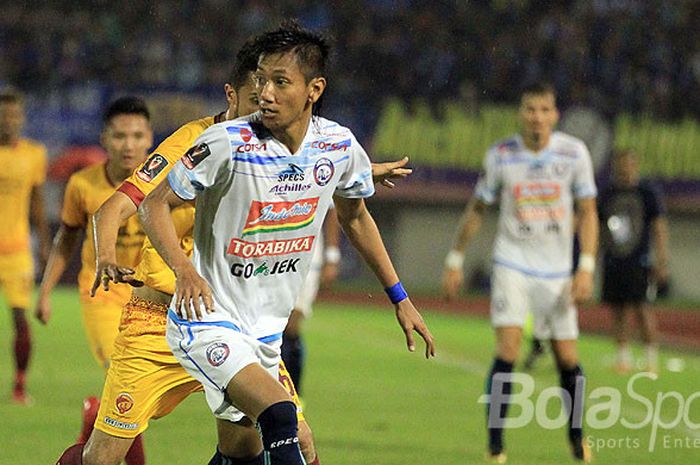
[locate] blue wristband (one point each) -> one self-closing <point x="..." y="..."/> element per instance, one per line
<point x="396" y="293"/>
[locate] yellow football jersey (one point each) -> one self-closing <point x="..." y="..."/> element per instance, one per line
<point x="23" y="168"/>
<point x="152" y="270"/>
<point x="85" y="192"/>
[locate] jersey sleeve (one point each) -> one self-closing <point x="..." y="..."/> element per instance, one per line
<point x="73" y="211"/>
<point x="200" y="166"/>
<point x="489" y="184"/>
<point x="39" y="173"/>
<point x="157" y="166"/>
<point x="356" y="181"/>
<point x="584" y="179"/>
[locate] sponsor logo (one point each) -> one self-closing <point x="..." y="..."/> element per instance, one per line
<point x="217" y="353"/>
<point x="246" y="148"/>
<point x="244" y="249"/>
<point x="330" y="146"/>
<point x="246" y="134"/>
<point x="152" y="168"/>
<point x="284" y="442"/>
<point x="561" y="169"/>
<point x="195" y="155"/>
<point x="249" y="270"/>
<point x="124" y="402"/>
<point x="292" y="180"/>
<point x="266" y="217"/>
<point x="120" y="424"/>
<point x="323" y="171"/>
<point x="537" y="193"/>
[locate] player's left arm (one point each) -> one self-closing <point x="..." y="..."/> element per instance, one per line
<point x="587" y="215"/>
<point x="361" y="230"/>
<point x="41" y="225"/>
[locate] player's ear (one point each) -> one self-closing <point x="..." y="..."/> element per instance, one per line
<point x="316" y="88"/>
<point x="231" y="98"/>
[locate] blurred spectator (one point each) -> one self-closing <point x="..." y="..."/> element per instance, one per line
<point x="633" y="223"/>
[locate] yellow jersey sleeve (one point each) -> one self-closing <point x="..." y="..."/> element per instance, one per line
<point x="161" y="161"/>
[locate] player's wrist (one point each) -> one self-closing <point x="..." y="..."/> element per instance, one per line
<point x="396" y="293"/>
<point x="331" y="255"/>
<point x="454" y="260"/>
<point x="586" y="262"/>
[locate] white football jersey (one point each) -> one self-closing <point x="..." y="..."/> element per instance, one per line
<point x="536" y="193"/>
<point x="259" y="211"/>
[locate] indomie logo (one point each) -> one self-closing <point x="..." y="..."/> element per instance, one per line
<point x="266" y="217"/>
<point x="246" y="249"/>
<point x="537" y="193"/>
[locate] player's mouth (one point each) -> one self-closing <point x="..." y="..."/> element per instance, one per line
<point x="266" y="112"/>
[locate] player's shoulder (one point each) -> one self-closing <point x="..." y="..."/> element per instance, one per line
<point x="329" y="135"/>
<point x="88" y="176"/>
<point x="242" y="130"/>
<point x="567" y="145"/>
<point x="192" y="129"/>
<point x="32" y="146"/>
<point x="505" y="148"/>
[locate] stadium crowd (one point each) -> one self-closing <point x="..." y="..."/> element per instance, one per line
<point x="619" y="55"/>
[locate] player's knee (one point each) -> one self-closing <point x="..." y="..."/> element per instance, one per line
<point x="306" y="442"/>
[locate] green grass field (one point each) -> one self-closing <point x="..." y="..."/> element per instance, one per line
<point x="367" y="399"/>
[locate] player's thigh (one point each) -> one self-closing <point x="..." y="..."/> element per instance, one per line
<point x="16" y="279"/>
<point x="141" y="384"/>
<point x="510" y="300"/>
<point x="101" y="322"/>
<point x="554" y="313"/>
<point x="105" y="449"/>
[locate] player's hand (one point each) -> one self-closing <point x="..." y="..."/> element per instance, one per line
<point x="452" y="281"/>
<point x="384" y="172"/>
<point x="110" y="272"/>
<point x="582" y="286"/>
<point x="191" y="293"/>
<point x="410" y="320"/>
<point x="329" y="273"/>
<point x="43" y="310"/>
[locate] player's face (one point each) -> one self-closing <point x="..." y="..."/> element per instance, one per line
<point x="11" y="121"/>
<point x="127" y="138"/>
<point x="247" y="98"/>
<point x="625" y="170"/>
<point x="538" y="116"/>
<point x="285" y="96"/>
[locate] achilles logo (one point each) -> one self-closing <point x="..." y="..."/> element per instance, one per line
<point x="284" y="442"/>
<point x="245" y="249"/>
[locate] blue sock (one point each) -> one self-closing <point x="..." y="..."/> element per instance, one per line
<point x="496" y="431"/>
<point x="569" y="378"/>
<point x="293" y="355"/>
<point x="278" y="425"/>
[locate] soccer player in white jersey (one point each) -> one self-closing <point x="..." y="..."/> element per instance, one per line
<point x="253" y="247"/>
<point x="537" y="177"/>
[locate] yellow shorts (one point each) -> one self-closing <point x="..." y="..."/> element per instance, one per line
<point x="101" y="322"/>
<point x="17" y="278"/>
<point x="144" y="379"/>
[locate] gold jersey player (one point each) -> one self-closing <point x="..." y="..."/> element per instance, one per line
<point x="21" y="196"/>
<point x="126" y="136"/>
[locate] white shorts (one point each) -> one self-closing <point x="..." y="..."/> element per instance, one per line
<point x="213" y="352"/>
<point x="309" y="290"/>
<point x="515" y="293"/>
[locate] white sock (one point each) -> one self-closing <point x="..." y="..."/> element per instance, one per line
<point x="652" y="357"/>
<point x="624" y="355"/>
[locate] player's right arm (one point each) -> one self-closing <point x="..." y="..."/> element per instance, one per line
<point x="485" y="193"/>
<point x="73" y="219"/>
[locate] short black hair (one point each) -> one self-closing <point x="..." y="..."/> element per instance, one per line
<point x="11" y="95"/>
<point x="311" y="48"/>
<point x="539" y="88"/>
<point x="129" y="105"/>
<point x="246" y="63"/>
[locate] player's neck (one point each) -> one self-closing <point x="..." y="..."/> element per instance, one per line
<point x="293" y="135"/>
<point x="9" y="141"/>
<point x="115" y="174"/>
<point x="536" y="143"/>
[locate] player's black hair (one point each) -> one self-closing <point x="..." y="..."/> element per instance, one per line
<point x="10" y="95"/>
<point x="246" y="63"/>
<point x="539" y="88"/>
<point x="129" y="105"/>
<point x="311" y="48"/>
